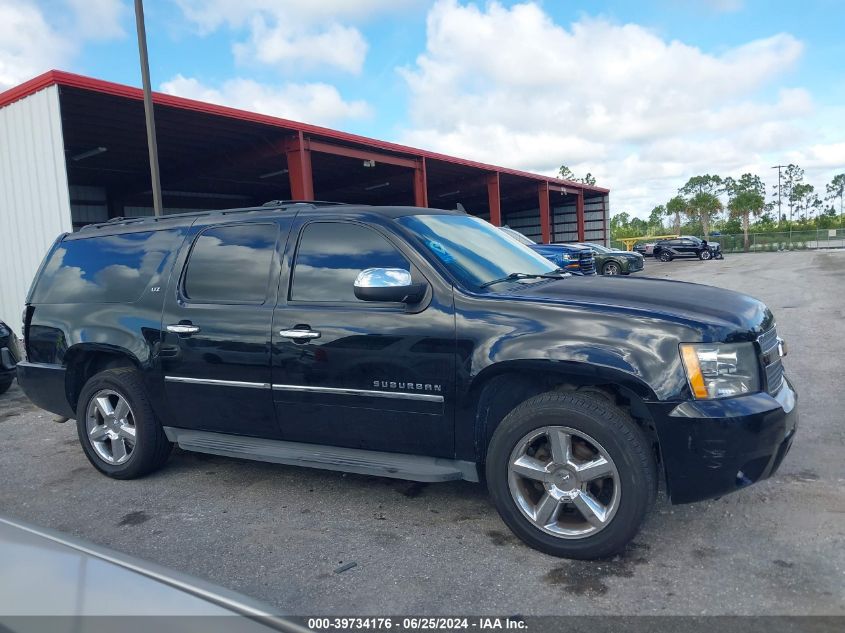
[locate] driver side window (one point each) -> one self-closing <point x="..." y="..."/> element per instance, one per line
<point x="330" y="256"/>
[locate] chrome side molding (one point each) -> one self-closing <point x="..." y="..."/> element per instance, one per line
<point x="366" y="393"/>
<point x="338" y="391"/>
<point x="218" y="383"/>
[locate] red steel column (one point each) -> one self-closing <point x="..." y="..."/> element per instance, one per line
<point x="579" y="215"/>
<point x="420" y="184"/>
<point x="299" y="169"/>
<point x="604" y="220"/>
<point x="494" y="199"/>
<point x="545" y="212"/>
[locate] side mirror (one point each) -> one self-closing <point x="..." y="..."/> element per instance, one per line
<point x="388" y="284"/>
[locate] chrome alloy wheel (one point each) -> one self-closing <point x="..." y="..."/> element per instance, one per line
<point x="564" y="482"/>
<point x="110" y="424"/>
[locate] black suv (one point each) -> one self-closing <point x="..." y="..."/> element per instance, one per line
<point x="686" y="246"/>
<point x="8" y="357"/>
<point x="412" y="343"/>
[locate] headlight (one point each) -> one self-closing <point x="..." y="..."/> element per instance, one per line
<point x="721" y="370"/>
<point x="564" y="257"/>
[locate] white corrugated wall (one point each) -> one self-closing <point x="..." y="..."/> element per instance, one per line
<point x="34" y="198"/>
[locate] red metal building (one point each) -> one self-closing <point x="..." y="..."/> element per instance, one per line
<point x="214" y="157"/>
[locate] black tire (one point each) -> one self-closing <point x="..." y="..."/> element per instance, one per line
<point x="612" y="268"/>
<point x="705" y="255"/>
<point x="151" y="449"/>
<point x="5" y="383"/>
<point x="621" y="438"/>
<point x="665" y="256"/>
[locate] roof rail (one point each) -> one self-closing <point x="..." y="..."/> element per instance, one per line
<point x="320" y="203"/>
<point x="153" y="219"/>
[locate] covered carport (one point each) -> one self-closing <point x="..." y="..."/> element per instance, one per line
<point x="214" y="157"/>
<point x="73" y="151"/>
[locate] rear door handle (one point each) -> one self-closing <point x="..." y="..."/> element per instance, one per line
<point x="183" y="328"/>
<point x="299" y="335"/>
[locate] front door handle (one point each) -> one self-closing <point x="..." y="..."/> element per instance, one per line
<point x="183" y="328"/>
<point x="299" y="335"/>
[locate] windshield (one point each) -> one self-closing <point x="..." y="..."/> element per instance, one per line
<point x="475" y="251"/>
<point x="519" y="237"/>
<point x="598" y="247"/>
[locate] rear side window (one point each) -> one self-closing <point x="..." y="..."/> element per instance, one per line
<point x="330" y="256"/>
<point x="231" y="264"/>
<point x="107" y="269"/>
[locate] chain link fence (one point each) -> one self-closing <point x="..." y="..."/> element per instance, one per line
<point x="768" y="242"/>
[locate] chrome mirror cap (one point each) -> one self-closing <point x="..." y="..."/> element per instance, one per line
<point x="383" y="278"/>
<point x="388" y="285"/>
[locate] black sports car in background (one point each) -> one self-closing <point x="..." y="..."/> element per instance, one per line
<point x="9" y="356"/>
<point x="687" y="246"/>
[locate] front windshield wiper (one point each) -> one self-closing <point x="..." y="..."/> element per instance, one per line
<point x="558" y="273"/>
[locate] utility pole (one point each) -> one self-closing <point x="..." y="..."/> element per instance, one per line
<point x="148" y="106"/>
<point x="779" y="167"/>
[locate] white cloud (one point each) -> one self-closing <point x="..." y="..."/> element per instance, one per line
<point x="508" y="85"/>
<point x="33" y="41"/>
<point x="28" y="45"/>
<point x="292" y="34"/>
<point x="312" y="102"/>
<point x="724" y="6"/>
<point x="341" y="47"/>
<point x="98" y="19"/>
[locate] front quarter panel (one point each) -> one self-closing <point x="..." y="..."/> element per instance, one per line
<point x="595" y="345"/>
<point x="642" y="348"/>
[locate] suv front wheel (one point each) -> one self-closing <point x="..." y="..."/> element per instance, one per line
<point x="116" y="425"/>
<point x="665" y="256"/>
<point x="571" y="475"/>
<point x="612" y="268"/>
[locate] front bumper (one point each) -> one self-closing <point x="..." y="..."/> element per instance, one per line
<point x="634" y="265"/>
<point x="8" y="361"/>
<point x="713" y="447"/>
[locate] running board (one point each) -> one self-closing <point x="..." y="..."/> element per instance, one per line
<point x="350" y="460"/>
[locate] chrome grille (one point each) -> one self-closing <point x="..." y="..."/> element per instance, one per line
<point x="587" y="263"/>
<point x="772" y="362"/>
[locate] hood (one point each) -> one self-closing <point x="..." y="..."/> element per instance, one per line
<point x="555" y="249"/>
<point x="732" y="314"/>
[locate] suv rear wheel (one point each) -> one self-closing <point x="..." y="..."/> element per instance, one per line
<point x="571" y="475"/>
<point x="116" y="425"/>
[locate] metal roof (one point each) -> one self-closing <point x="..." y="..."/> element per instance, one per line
<point x="71" y="80"/>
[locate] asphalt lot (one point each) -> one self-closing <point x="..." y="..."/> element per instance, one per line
<point x="278" y="533"/>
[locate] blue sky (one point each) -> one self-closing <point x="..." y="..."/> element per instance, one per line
<point x="641" y="94"/>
